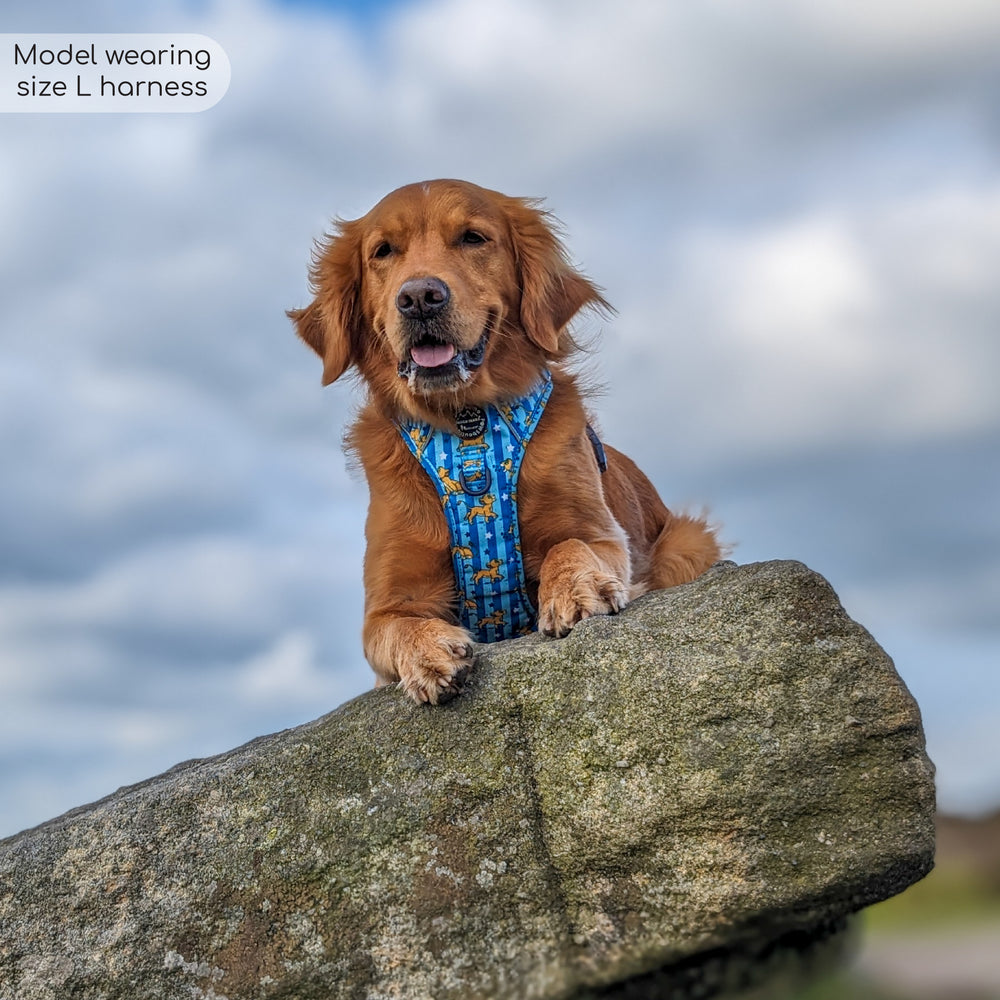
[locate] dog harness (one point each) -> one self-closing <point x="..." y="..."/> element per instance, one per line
<point x="475" y="473"/>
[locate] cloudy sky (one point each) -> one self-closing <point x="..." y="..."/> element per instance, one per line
<point x="793" y="204"/>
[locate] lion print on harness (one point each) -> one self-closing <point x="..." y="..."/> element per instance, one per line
<point x="475" y="473"/>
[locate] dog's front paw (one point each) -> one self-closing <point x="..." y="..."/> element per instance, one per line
<point x="572" y="587"/>
<point x="586" y="593"/>
<point x="435" y="666"/>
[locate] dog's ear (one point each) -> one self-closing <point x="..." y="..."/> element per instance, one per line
<point x="330" y="323"/>
<point x="552" y="290"/>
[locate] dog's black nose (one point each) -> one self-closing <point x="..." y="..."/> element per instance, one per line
<point x="421" y="298"/>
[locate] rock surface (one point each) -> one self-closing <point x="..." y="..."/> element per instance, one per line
<point x="725" y="769"/>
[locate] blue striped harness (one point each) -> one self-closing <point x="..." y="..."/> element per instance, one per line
<point x="475" y="473"/>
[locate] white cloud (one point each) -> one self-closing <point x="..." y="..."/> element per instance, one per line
<point x="799" y="290"/>
<point x="240" y="587"/>
<point x="865" y="322"/>
<point x="572" y="80"/>
<point x="288" y="671"/>
<point x="903" y="28"/>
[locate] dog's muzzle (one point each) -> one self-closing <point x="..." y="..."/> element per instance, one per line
<point x="433" y="356"/>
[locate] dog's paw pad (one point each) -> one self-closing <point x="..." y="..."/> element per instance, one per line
<point x="454" y="687"/>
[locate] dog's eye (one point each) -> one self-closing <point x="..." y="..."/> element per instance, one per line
<point x="382" y="250"/>
<point x="471" y="238"/>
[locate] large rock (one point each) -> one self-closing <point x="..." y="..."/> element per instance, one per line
<point x="725" y="769"/>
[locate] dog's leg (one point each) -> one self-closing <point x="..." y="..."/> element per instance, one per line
<point x="579" y="579"/>
<point x="409" y="633"/>
<point x="429" y="657"/>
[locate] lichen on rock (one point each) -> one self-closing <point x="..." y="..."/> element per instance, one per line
<point x="670" y="796"/>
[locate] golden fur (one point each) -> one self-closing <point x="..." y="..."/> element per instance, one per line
<point x="490" y="274"/>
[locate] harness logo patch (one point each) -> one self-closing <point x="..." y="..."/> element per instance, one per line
<point x="471" y="422"/>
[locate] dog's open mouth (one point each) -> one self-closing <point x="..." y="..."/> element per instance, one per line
<point x="431" y="354"/>
<point x="434" y="360"/>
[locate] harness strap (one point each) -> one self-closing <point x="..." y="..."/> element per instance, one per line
<point x="475" y="473"/>
<point x="599" y="454"/>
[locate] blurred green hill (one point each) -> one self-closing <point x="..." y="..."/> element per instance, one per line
<point x="939" y="940"/>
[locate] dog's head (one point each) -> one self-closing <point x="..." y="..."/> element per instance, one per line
<point x="444" y="294"/>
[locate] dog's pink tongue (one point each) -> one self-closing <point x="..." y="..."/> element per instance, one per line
<point x="432" y="355"/>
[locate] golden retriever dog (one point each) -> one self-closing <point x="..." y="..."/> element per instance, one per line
<point x="452" y="303"/>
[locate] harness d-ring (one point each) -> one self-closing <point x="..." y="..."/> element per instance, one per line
<point x="476" y="491"/>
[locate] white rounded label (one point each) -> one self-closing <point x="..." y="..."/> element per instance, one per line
<point x="105" y="72"/>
